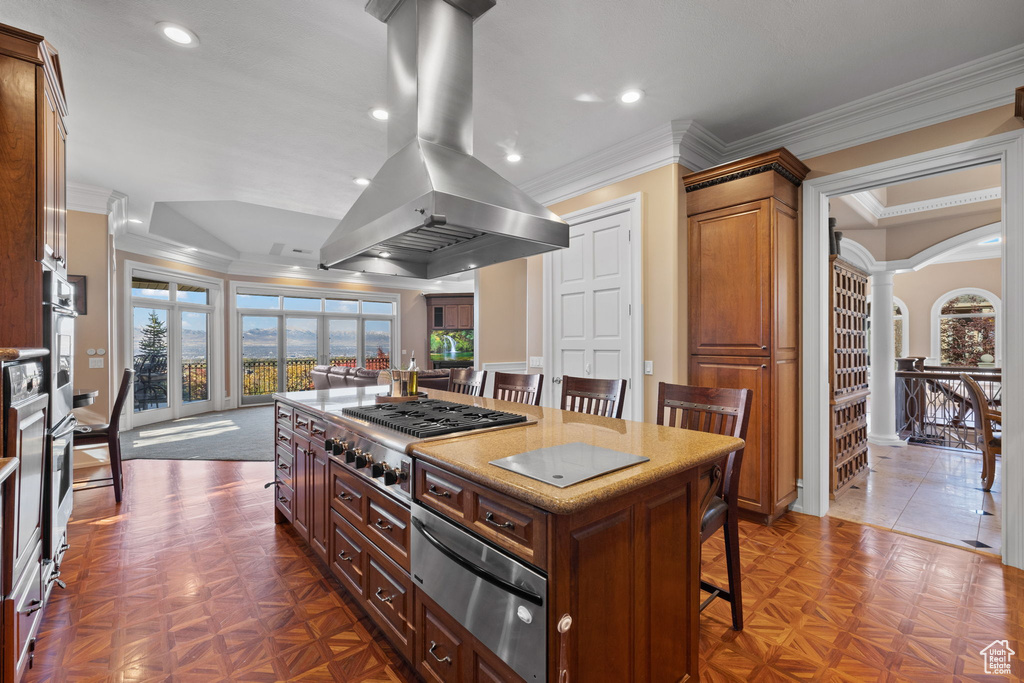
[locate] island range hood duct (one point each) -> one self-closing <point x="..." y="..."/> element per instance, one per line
<point x="433" y="208"/>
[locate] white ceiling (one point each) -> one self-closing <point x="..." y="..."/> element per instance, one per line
<point x="271" y="108"/>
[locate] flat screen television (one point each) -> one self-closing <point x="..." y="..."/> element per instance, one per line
<point x="447" y="346"/>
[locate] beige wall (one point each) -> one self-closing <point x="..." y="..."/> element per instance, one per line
<point x="502" y="313"/>
<point x="88" y="255"/>
<point x="920" y="289"/>
<point x="664" y="271"/>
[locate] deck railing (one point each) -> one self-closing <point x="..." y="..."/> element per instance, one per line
<point x="259" y="375"/>
<point x="934" y="408"/>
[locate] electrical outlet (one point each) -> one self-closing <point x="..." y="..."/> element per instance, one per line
<point x="95" y="363"/>
<point x="648" y="367"/>
<point x="536" y="361"/>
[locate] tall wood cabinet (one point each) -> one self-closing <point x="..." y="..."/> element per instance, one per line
<point x="32" y="183"/>
<point x="848" y="373"/>
<point x="744" y="311"/>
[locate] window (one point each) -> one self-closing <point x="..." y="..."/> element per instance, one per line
<point x="900" y="328"/>
<point x="965" y="328"/>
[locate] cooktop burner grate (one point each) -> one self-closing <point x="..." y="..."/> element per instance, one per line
<point x="431" y="417"/>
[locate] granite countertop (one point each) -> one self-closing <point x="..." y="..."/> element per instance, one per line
<point x="7" y="467"/>
<point x="8" y="353"/>
<point x="670" y="449"/>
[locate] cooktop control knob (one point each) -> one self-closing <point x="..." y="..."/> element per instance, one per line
<point x="350" y="455"/>
<point x="391" y="477"/>
<point x="362" y="459"/>
<point x="379" y="468"/>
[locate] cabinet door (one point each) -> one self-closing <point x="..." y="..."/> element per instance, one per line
<point x="49" y="208"/>
<point x="319" y="532"/>
<point x="746" y="373"/>
<point x="730" y="281"/>
<point x="451" y="316"/>
<point x="437" y="317"/>
<point x="465" y="316"/>
<point x="26" y="438"/>
<point x="300" y="507"/>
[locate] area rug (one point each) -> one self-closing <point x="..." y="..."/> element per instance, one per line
<point x="243" y="434"/>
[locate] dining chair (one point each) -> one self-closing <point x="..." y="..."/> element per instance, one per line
<point x="109" y="434"/>
<point x="517" y="388"/>
<point x="467" y="381"/>
<point x="605" y="397"/>
<point x="718" y="411"/>
<point x="988" y="440"/>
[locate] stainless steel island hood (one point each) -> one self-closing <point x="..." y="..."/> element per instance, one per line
<point x="433" y="208"/>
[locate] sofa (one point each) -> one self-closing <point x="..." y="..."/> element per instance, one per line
<point x="334" y="376"/>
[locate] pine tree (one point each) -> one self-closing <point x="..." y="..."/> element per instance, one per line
<point x="154" y="337"/>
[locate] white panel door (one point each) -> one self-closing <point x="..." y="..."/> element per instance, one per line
<point x="591" y="335"/>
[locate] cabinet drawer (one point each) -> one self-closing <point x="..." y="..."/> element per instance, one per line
<point x="348" y="560"/>
<point x="284" y="468"/>
<point x="387" y="525"/>
<point x="283" y="437"/>
<point x="519" y="528"/>
<point x="347" y="495"/>
<point x="389" y="597"/>
<point x="286" y="500"/>
<point x="442" y="491"/>
<point x="441" y="650"/>
<point x="26" y="603"/>
<point x="317" y="431"/>
<point x="301" y="423"/>
<point x="284" y="414"/>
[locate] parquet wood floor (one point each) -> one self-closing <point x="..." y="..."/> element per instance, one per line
<point x="190" y="580"/>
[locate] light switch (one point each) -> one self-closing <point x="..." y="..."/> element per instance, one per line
<point x="536" y="361"/>
<point x="95" y="362"/>
<point x="648" y="367"/>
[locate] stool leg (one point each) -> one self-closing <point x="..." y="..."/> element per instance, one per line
<point x="732" y="566"/>
<point x="114" y="447"/>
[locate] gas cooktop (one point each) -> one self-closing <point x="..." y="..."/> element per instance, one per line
<point x="430" y="417"/>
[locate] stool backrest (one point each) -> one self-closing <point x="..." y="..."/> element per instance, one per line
<point x="605" y="397"/>
<point x="467" y="381"/>
<point x="517" y="388"/>
<point x="122" y="396"/>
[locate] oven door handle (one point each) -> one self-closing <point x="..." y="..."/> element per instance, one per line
<point x="72" y="423"/>
<point x="475" y="569"/>
<point x="61" y="310"/>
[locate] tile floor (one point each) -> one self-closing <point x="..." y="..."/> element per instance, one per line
<point x="933" y="493"/>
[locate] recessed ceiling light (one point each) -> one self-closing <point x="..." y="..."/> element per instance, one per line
<point x="385" y="254"/>
<point x="179" y="35"/>
<point x="631" y="96"/>
<point x="513" y="158"/>
<point x="134" y="220"/>
<point x="379" y="114"/>
<point x="362" y="181"/>
<point x="191" y="249"/>
<point x="296" y="267"/>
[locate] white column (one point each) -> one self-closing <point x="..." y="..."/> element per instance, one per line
<point x="882" y="430"/>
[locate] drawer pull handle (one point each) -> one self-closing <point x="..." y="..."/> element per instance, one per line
<point x="282" y="466"/>
<point x="343" y="557"/>
<point x="438" y="492"/>
<point x="344" y="497"/>
<point x="383" y="598"/>
<point x="282" y="437"/>
<point x="282" y="414"/>
<point x="302" y="450"/>
<point x="321" y="432"/>
<point x="38" y="605"/>
<point x="302" y="423"/>
<point x="447" y="659"/>
<point x="382" y="525"/>
<point x="489" y="518"/>
<point x="283" y="499"/>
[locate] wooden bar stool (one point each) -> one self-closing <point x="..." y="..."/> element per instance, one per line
<point x="110" y="434"/>
<point x="605" y="397"/>
<point x="719" y="411"/>
<point x="517" y="388"/>
<point x="988" y="440"/>
<point x="467" y="381"/>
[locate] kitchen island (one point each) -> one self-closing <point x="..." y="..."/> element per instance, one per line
<point x="618" y="554"/>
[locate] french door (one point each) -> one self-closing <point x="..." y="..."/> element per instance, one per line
<point x="171" y="346"/>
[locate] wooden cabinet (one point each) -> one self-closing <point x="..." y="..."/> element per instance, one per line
<point x="449" y="311"/>
<point x="848" y="374"/>
<point x="32" y="181"/>
<point x="744" y="311"/>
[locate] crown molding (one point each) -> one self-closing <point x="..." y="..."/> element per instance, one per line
<point x="117" y="213"/>
<point x="967" y="89"/>
<point x="963" y="247"/>
<point x="144" y="245"/>
<point x="682" y="142"/>
<point x="89" y="198"/>
<point x="942" y="202"/>
<point x="867" y="205"/>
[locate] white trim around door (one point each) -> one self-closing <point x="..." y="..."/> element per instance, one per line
<point x="1006" y="149"/>
<point x="631" y="206"/>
